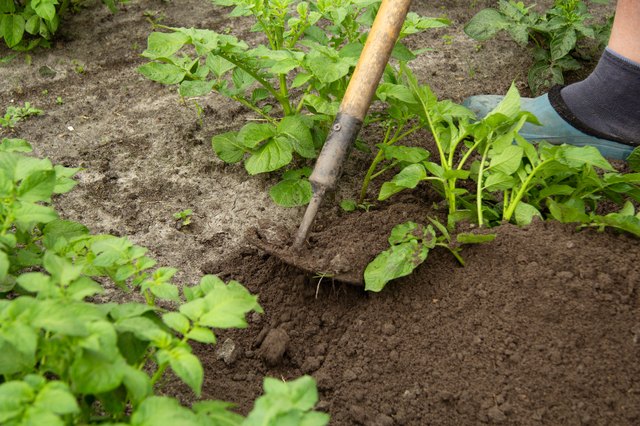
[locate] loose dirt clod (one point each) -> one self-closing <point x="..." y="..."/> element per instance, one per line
<point x="274" y="346"/>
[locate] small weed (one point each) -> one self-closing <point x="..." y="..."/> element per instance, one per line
<point x="184" y="216"/>
<point x="447" y="39"/>
<point x="14" y="114"/>
<point x="78" y="66"/>
<point x="59" y="100"/>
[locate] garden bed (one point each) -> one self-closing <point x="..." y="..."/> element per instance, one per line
<point x="541" y="326"/>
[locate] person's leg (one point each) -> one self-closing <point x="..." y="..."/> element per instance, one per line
<point x="604" y="109"/>
<point x="625" y="34"/>
<point x="607" y="103"/>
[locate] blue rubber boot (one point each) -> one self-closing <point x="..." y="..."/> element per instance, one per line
<point x="554" y="129"/>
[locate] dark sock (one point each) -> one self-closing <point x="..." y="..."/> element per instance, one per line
<point x="607" y="103"/>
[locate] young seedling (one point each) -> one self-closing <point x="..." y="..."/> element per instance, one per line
<point x="14" y="114"/>
<point x="184" y="216"/>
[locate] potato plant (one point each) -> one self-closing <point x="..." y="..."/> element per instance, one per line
<point x="487" y="174"/>
<point x="293" y="82"/>
<point x="26" y="24"/>
<point x="555" y="35"/>
<point x="67" y="359"/>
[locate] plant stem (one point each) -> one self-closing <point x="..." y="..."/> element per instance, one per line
<point x="284" y="92"/>
<point x="159" y="373"/>
<point x="372" y="168"/>
<point x="479" y="186"/>
<point x="523" y="190"/>
<point x="256" y="77"/>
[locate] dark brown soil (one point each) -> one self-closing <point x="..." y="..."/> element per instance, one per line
<point x="541" y="327"/>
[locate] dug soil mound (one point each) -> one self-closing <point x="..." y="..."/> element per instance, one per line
<point x="541" y="327"/>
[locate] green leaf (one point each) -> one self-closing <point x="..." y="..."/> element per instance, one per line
<point x="410" y="176"/>
<point x="165" y="291"/>
<point x="252" y="134"/>
<point x="110" y="250"/>
<point x="161" y="410"/>
<point x="634" y="160"/>
<point x="470" y="238"/>
<point x="405" y="154"/>
<point x="227" y="305"/>
<point x="12" y="29"/>
<point x="218" y="412"/>
<point x="228" y="147"/>
<point x="576" y="157"/>
<point x="485" y="24"/>
<point x="92" y="374"/>
<point x="395" y="91"/>
<point x="46" y="9"/>
<point x="15" y="145"/>
<point x="28" y="213"/>
<point x="569" y="212"/>
<point x="287" y="403"/>
<point x="292" y="193"/>
<point x="325" y="67"/>
<point x="507" y="161"/>
<point x="163" y="45"/>
<point x="195" y="88"/>
<point x="14" y="397"/>
<point x="137" y="383"/>
<point x="562" y="43"/>
<point x="177" y="322"/>
<point x="525" y="213"/>
<point x="162" y="73"/>
<point x="298" y="134"/>
<point x="35" y="282"/>
<point x="273" y="155"/>
<point x="218" y="65"/>
<point x="398" y="261"/>
<point x="187" y="366"/>
<point x="57" y="398"/>
<point x="499" y="182"/>
<point x="4" y="265"/>
<point x="201" y="334"/>
<point x="509" y="106"/>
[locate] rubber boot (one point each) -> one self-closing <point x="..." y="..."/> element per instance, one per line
<point x="554" y="129"/>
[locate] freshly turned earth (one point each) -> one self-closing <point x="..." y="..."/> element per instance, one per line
<point x="541" y="327"/>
